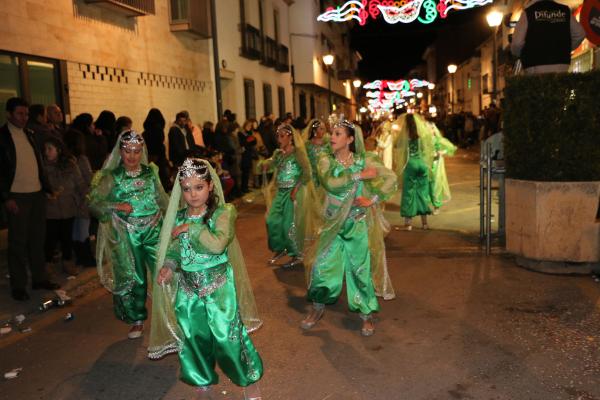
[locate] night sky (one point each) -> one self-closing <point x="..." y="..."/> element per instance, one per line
<point x="391" y="51"/>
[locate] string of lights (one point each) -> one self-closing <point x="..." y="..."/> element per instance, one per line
<point x="397" y="11"/>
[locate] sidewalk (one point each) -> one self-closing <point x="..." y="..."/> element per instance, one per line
<point x="76" y="287"/>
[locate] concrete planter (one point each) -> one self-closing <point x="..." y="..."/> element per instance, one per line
<point x="553" y="221"/>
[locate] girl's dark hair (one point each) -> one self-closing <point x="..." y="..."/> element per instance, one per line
<point x="313" y="128"/>
<point x="154" y="120"/>
<point x="74" y="142"/>
<point x="106" y="121"/>
<point x="83" y="123"/>
<point x="211" y="203"/>
<point x="64" y="159"/>
<point x="412" y="127"/>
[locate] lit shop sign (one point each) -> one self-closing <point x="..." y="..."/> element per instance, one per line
<point x="404" y="11"/>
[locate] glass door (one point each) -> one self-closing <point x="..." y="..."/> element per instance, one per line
<point x="33" y="78"/>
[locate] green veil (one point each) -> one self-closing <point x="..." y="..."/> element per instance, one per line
<point x="307" y="219"/>
<point x="110" y="232"/>
<point x="165" y="335"/>
<point x="443" y="147"/>
<point x="383" y="186"/>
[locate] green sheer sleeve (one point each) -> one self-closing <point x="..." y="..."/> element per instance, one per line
<point x="173" y="256"/>
<point x="99" y="198"/>
<point x="386" y="182"/>
<point x="337" y="184"/>
<point x="304" y="162"/>
<point x="271" y="162"/>
<point x="214" y="241"/>
<point x="162" y="198"/>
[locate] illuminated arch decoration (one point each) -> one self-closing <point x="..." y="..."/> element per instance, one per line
<point x="396" y="94"/>
<point x="395" y="11"/>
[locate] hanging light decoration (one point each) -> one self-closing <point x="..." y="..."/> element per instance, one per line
<point x="393" y="12"/>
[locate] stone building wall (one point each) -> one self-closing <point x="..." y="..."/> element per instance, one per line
<point x="124" y="64"/>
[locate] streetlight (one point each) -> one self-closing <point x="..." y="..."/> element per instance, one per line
<point x="328" y="61"/>
<point x="357" y="84"/>
<point x="452" y="70"/>
<point x="494" y="19"/>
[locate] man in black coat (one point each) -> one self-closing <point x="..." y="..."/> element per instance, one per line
<point x="180" y="139"/>
<point x="23" y="189"/>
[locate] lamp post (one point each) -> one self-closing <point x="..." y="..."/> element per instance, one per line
<point x="494" y="19"/>
<point x="431" y="86"/>
<point x="357" y="84"/>
<point x="451" y="70"/>
<point x="328" y="61"/>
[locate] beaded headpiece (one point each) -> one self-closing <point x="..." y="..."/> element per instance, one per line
<point x="285" y="129"/>
<point x="316" y="123"/>
<point x="130" y="138"/>
<point x="344" y="123"/>
<point x="193" y="168"/>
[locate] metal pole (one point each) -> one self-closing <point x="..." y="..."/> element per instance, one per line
<point x="488" y="233"/>
<point x="452" y="96"/>
<point x="329" y="89"/>
<point x="216" y="62"/>
<point x="481" y="194"/>
<point x="495" y="66"/>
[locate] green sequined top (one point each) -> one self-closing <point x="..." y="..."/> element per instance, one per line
<point x="205" y="245"/>
<point x="142" y="191"/>
<point x="289" y="170"/>
<point x="343" y="184"/>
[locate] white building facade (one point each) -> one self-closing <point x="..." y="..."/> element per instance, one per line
<point x="310" y="40"/>
<point x="253" y="45"/>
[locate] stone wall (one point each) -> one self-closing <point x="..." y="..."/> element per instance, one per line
<point x="150" y="66"/>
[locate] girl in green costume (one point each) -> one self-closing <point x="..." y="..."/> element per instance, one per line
<point x="128" y="199"/>
<point x="289" y="197"/>
<point x="415" y="149"/>
<point x="350" y="243"/>
<point x="203" y="303"/>
<point x="315" y="137"/>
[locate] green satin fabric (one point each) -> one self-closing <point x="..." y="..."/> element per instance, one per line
<point x="139" y="191"/>
<point x="137" y="246"/>
<point x="213" y="333"/>
<point x="416" y="197"/>
<point x="289" y="170"/>
<point x="349" y="257"/>
<point x="434" y="194"/>
<point x="189" y="258"/>
<point x="281" y="230"/>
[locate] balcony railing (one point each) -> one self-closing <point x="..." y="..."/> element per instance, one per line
<point x="283" y="59"/>
<point x="131" y="8"/>
<point x="191" y="16"/>
<point x="251" y="42"/>
<point x="270" y="55"/>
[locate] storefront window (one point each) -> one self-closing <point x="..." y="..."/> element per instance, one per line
<point x="30" y="77"/>
<point x="9" y="81"/>
<point x="42" y="84"/>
